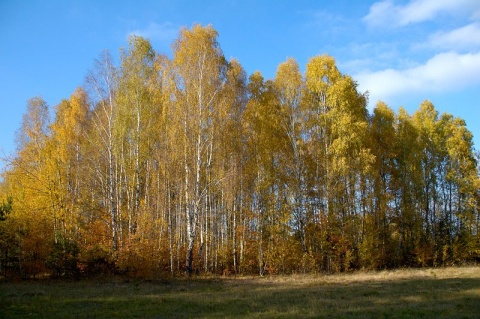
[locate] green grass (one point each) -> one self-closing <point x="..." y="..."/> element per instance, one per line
<point x="425" y="293"/>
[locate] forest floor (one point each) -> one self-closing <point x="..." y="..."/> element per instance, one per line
<point x="408" y="293"/>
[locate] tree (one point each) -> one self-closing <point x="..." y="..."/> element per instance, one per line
<point x="137" y="112"/>
<point x="28" y="182"/>
<point x="66" y="167"/>
<point x="200" y="69"/>
<point x="289" y="86"/>
<point x="378" y="196"/>
<point x="102" y="83"/>
<point x="460" y="218"/>
<point x="337" y="123"/>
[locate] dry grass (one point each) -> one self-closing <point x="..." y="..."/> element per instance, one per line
<point x="420" y="293"/>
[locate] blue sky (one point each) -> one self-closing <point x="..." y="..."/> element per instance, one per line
<point x="402" y="52"/>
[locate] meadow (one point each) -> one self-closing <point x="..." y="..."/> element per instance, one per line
<point x="407" y="293"/>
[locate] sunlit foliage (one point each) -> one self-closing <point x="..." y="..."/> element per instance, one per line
<point x="168" y="165"/>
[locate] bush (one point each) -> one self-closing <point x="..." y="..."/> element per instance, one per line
<point x="63" y="260"/>
<point x="97" y="260"/>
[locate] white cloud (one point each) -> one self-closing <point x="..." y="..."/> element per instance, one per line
<point x="467" y="37"/>
<point x="387" y="13"/>
<point x="165" y="32"/>
<point x="444" y="72"/>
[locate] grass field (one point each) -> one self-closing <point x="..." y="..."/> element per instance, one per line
<point x="420" y="293"/>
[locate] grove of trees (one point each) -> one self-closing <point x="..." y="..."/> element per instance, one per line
<point x="159" y="166"/>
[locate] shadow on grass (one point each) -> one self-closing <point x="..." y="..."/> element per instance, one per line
<point x="403" y="298"/>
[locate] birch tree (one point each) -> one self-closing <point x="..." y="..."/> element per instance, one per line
<point x="67" y="166"/>
<point x="102" y="83"/>
<point x="289" y="87"/>
<point x="200" y="65"/>
<point x="135" y="121"/>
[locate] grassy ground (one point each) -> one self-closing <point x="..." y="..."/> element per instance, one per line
<point x="423" y="293"/>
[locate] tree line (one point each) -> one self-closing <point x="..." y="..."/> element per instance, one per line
<point x="160" y="166"/>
